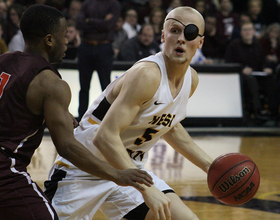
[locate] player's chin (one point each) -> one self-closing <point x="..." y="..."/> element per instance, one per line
<point x="61" y="58"/>
<point x="180" y="59"/>
<point x="56" y="61"/>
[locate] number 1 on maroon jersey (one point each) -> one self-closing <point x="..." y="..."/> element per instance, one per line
<point x="4" y="78"/>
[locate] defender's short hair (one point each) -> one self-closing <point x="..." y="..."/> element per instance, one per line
<point x="39" y="20"/>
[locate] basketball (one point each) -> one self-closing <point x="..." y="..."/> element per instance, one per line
<point x="233" y="179"/>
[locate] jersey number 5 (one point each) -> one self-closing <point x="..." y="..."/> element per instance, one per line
<point x="4" y="78"/>
<point x="147" y="136"/>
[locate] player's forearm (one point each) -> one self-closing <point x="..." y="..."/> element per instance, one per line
<point x="181" y="141"/>
<point x="197" y="156"/>
<point x="194" y="154"/>
<point x="82" y="158"/>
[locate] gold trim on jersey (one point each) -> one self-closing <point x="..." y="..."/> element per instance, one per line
<point x="92" y="121"/>
<point x="59" y="163"/>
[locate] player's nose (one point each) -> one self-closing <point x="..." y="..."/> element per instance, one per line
<point x="181" y="38"/>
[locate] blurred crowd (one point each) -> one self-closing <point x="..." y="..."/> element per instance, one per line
<point x="245" y="32"/>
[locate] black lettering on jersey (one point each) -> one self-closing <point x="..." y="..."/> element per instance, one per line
<point x="155" y="119"/>
<point x="161" y="119"/>
<point x="171" y="120"/>
<point x="101" y="109"/>
<point x="164" y="119"/>
<point x="136" y="155"/>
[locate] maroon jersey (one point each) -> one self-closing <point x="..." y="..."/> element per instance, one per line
<point x="21" y="131"/>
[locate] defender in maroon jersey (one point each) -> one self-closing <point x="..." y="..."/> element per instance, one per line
<point x="32" y="96"/>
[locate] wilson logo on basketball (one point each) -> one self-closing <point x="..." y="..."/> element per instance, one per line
<point x="226" y="185"/>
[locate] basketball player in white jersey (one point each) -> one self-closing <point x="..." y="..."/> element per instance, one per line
<point x="125" y="122"/>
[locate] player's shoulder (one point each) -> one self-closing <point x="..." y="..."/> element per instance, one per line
<point x="47" y="87"/>
<point x="194" y="75"/>
<point x="142" y="79"/>
<point x="48" y="75"/>
<point x="147" y="70"/>
<point x="49" y="81"/>
<point x="195" y="81"/>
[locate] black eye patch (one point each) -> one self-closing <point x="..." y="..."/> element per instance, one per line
<point x="190" y="30"/>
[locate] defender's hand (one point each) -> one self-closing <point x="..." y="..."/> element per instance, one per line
<point x="132" y="177"/>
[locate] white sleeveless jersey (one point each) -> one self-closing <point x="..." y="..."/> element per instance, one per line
<point x="155" y="117"/>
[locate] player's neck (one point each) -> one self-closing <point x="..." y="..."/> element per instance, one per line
<point x="175" y="71"/>
<point x="35" y="50"/>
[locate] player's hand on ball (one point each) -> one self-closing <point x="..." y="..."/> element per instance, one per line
<point x="132" y="177"/>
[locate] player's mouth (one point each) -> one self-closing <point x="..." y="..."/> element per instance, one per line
<point x="179" y="51"/>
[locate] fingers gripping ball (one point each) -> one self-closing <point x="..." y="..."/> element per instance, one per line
<point x="233" y="178"/>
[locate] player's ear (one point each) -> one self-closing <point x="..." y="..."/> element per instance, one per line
<point x="201" y="43"/>
<point x="49" y="39"/>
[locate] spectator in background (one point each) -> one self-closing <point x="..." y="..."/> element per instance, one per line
<point x="200" y="6"/>
<point x="17" y="42"/>
<point x="10" y="2"/>
<point x="14" y="14"/>
<point x="137" y="4"/>
<point x="74" y="41"/>
<point x="226" y="19"/>
<point x="214" y="45"/>
<point x="210" y="6"/>
<point x="96" y="21"/>
<point x="3" y="11"/>
<point x="248" y="52"/>
<point x="270" y="42"/>
<point x="140" y="46"/>
<point x="73" y="10"/>
<point x="58" y="4"/>
<point x="3" y="45"/>
<point x="144" y="12"/>
<point x="243" y="18"/>
<point x="240" y="6"/>
<point x="199" y="58"/>
<point x="120" y="37"/>
<point x="173" y="4"/>
<point x="255" y="13"/>
<point x="156" y="19"/>
<point x="270" y="11"/>
<point x="131" y="25"/>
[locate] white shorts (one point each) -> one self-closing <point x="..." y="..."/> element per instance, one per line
<point x="79" y="195"/>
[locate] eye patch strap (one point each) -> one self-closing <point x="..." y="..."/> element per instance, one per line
<point x="176" y="20"/>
